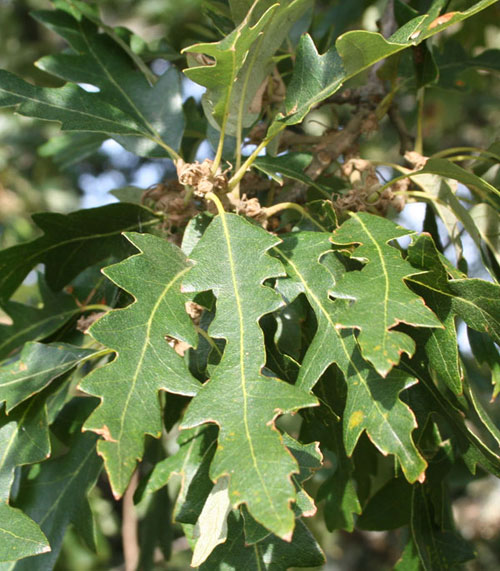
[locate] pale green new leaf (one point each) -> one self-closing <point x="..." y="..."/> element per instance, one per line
<point x="231" y="259"/>
<point x="381" y="297"/>
<point x="316" y="77"/>
<point x="24" y="439"/>
<point x="373" y="402"/>
<point x="487" y="221"/>
<point x="37" y="366"/>
<point x="145" y="363"/>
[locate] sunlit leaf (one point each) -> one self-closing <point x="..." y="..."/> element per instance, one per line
<point x="145" y="363"/>
<point x="249" y="450"/>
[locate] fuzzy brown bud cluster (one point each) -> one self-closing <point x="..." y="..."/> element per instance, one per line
<point x="200" y="177"/>
<point x="170" y="198"/>
<point x="365" y="194"/>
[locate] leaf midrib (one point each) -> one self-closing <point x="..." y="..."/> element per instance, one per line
<point x="242" y="364"/>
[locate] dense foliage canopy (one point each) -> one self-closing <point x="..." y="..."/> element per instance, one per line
<point x="294" y="330"/>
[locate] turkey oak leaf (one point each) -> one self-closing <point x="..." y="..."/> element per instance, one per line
<point x="373" y="402"/>
<point x="72" y="242"/>
<point x="272" y="553"/>
<point x="232" y="260"/>
<point x="97" y="59"/>
<point x="145" y="363"/>
<point x="24" y="439"/>
<point x="381" y="297"/>
<point x="72" y="106"/>
<point x="316" y="77"/>
<point x="33" y="322"/>
<point x="57" y="495"/>
<point x="37" y="366"/>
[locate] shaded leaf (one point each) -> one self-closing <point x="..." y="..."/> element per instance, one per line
<point x="192" y="462"/>
<point x="476" y="301"/>
<point x="37" y="366"/>
<point x="485" y="351"/>
<point x="249" y="449"/>
<point x="316" y="77"/>
<point x="441" y="345"/>
<point x="73" y="107"/>
<point x="373" y="403"/>
<point x="35" y="322"/>
<point x="24" y="439"/>
<point x="388" y="508"/>
<point x="272" y="553"/>
<point x="81" y="239"/>
<point x="381" y="298"/>
<point x="97" y="59"/>
<point x="145" y="363"/>
<point x="57" y="495"/>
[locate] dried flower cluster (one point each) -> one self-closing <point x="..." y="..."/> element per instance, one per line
<point x="170" y="198"/>
<point x="200" y="178"/>
<point x="365" y="194"/>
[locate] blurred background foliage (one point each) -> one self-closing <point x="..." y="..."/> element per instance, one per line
<point x="461" y="110"/>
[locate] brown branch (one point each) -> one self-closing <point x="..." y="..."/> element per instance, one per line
<point x="129" y="526"/>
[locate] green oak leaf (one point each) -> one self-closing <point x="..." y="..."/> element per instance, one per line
<point x="316" y="77"/>
<point x="24" y="439"/>
<point x="231" y="259"/>
<point x="272" y="553"/>
<point x="220" y="76"/>
<point x="97" y="59"/>
<point x="80" y="238"/>
<point x="381" y="297"/>
<point x="70" y="148"/>
<point x="145" y="363"/>
<point x="441" y="346"/>
<point x="438" y="547"/>
<point x="373" y="402"/>
<point x="243" y="60"/>
<point x="72" y="106"/>
<point x="37" y="366"/>
<point x="486" y="353"/>
<point x="33" y="322"/>
<point x="388" y="508"/>
<point x="476" y="301"/>
<point x="192" y="463"/>
<point x="57" y="495"/>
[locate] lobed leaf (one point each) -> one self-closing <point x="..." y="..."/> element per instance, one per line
<point x="238" y="77"/>
<point x="38" y="365"/>
<point x="71" y="243"/>
<point x="373" y="402"/>
<point x="57" y="495"/>
<point x="97" y="59"/>
<point x="272" y="553"/>
<point x="145" y="363"/>
<point x="24" y="439"/>
<point x="33" y="322"/>
<point x="316" y="76"/>
<point x="231" y="259"/>
<point x="381" y="298"/>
